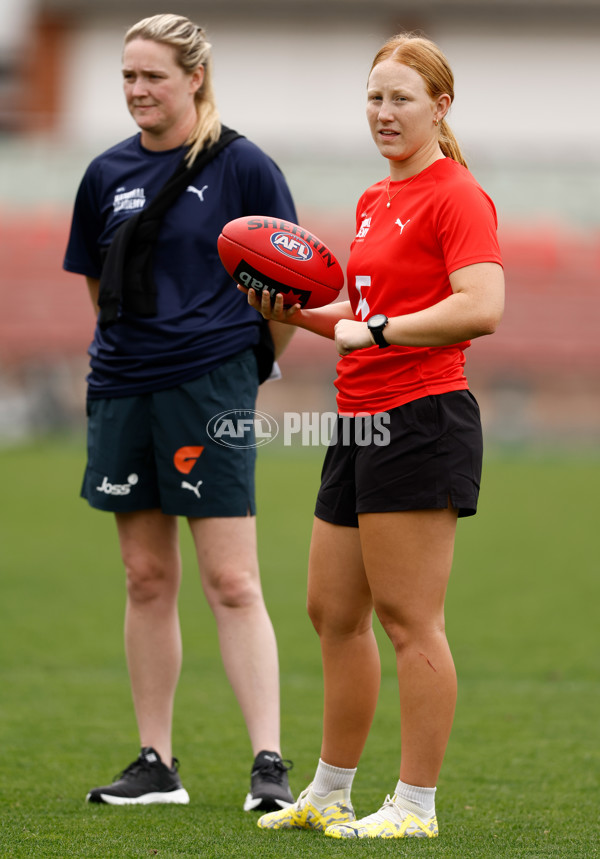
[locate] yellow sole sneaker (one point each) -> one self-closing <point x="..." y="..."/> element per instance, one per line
<point x="311" y="812"/>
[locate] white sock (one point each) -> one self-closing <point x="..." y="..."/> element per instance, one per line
<point x="328" y="778"/>
<point x="418" y="800"/>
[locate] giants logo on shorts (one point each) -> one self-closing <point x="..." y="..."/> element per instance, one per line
<point x="186" y="458"/>
<point x="291" y="246"/>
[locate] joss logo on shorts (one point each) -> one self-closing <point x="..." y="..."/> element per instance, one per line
<point x="109" y="488"/>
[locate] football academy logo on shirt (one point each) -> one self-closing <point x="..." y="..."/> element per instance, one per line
<point x="128" y="200"/>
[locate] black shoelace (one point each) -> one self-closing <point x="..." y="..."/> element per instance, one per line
<point x="141" y="764"/>
<point x="272" y="770"/>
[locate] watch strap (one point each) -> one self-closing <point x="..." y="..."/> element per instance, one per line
<point x="377" y="332"/>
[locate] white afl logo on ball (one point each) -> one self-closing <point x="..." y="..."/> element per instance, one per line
<point x="291" y="246"/>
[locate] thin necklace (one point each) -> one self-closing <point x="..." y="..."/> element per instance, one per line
<point x="389" y="202"/>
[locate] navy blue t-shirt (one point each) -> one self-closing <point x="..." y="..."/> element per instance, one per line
<point x="202" y="318"/>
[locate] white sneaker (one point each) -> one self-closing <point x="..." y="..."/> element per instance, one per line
<point x="390" y="821"/>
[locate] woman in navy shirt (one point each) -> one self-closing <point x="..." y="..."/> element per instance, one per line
<point x="162" y="372"/>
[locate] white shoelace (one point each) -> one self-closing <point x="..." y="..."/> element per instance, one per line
<point x="389" y="810"/>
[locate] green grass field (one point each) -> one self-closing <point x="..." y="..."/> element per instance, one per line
<point x="522" y="772"/>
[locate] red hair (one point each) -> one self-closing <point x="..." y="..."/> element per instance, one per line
<point x="424" y="57"/>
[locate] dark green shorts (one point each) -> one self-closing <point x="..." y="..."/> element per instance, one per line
<point x="189" y="450"/>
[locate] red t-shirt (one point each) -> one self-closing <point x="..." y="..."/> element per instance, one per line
<point x="400" y="262"/>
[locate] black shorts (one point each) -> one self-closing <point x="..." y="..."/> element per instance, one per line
<point x="161" y="450"/>
<point x="419" y="456"/>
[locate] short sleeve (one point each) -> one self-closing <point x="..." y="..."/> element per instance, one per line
<point x="83" y="249"/>
<point x="467" y="226"/>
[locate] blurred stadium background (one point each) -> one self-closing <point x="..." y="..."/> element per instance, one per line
<point x="291" y="77"/>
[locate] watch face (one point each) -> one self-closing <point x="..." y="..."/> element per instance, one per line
<point x="377" y="320"/>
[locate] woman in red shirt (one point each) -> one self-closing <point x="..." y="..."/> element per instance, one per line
<point x="424" y="278"/>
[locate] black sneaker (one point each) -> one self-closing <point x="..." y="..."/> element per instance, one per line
<point x="269" y="787"/>
<point x="147" y="780"/>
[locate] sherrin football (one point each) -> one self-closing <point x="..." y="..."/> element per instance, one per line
<point x="262" y="252"/>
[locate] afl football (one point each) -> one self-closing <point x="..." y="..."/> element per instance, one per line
<point x="261" y="252"/>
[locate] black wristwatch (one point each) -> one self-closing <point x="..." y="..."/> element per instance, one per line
<point x="376" y="324"/>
